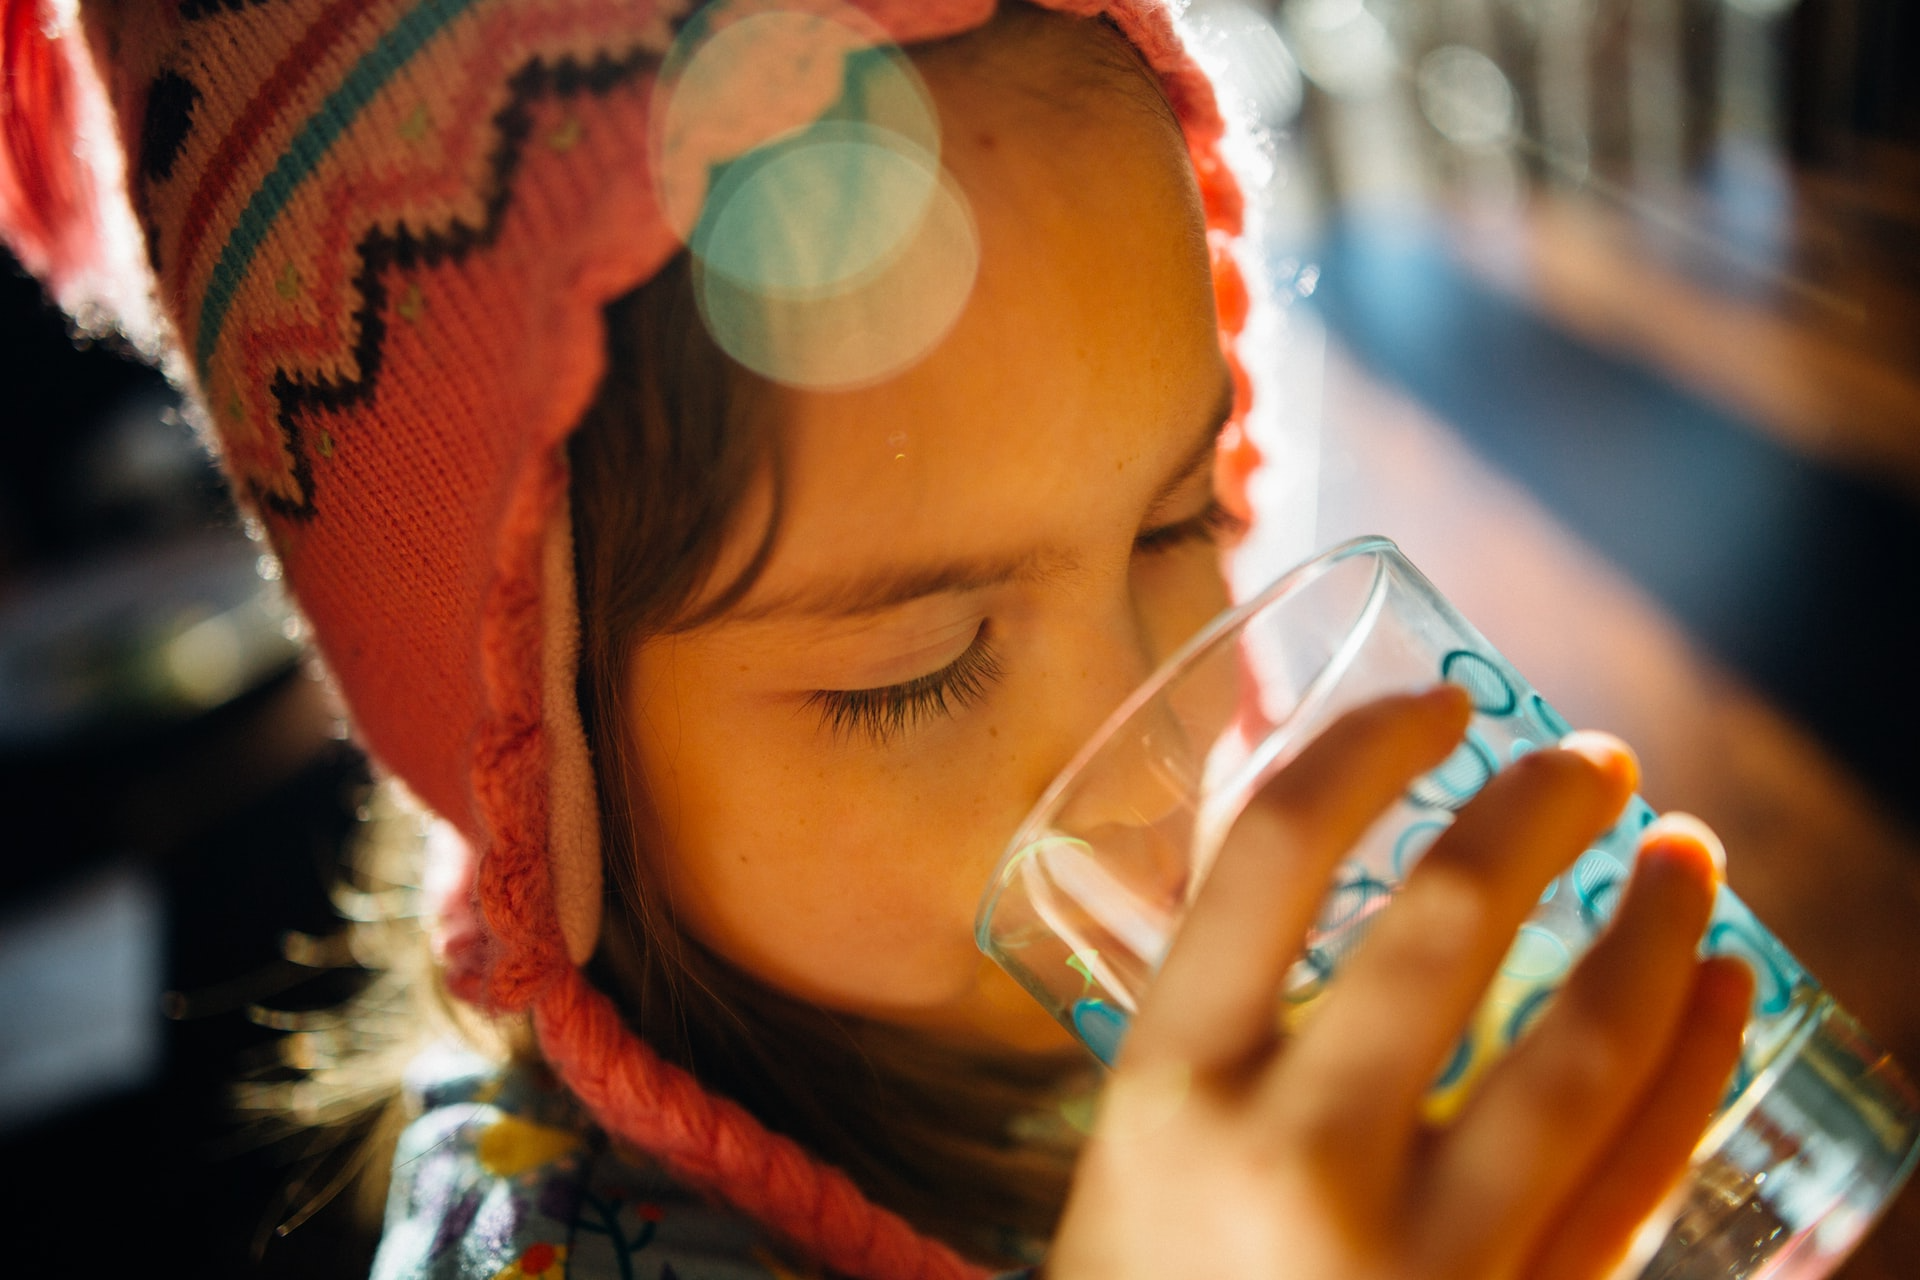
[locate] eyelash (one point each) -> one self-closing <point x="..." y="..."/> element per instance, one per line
<point x="882" y="714"/>
<point x="1215" y="524"/>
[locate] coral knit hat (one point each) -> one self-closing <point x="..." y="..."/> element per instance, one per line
<point x="382" y="233"/>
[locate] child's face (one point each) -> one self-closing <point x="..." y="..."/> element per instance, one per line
<point x="997" y="545"/>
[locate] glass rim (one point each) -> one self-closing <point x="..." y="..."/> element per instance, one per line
<point x="1040" y="815"/>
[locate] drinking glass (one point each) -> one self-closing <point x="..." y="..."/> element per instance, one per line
<point x="1818" y="1127"/>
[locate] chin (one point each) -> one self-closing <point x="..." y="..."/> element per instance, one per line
<point x="999" y="1013"/>
<point x="987" y="1010"/>
<point x="1044" y="1036"/>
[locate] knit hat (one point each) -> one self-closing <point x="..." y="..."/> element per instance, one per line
<point x="383" y="232"/>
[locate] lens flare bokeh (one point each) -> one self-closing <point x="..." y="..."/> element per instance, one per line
<point x="838" y="251"/>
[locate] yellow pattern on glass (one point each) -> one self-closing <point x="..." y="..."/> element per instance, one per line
<point x="1080" y="964"/>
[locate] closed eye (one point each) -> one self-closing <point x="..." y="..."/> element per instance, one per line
<point x="882" y="714"/>
<point x="1214" y="524"/>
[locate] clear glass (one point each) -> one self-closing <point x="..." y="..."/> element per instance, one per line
<point x="1819" y="1126"/>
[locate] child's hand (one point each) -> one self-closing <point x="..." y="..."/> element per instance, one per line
<point x="1224" y="1151"/>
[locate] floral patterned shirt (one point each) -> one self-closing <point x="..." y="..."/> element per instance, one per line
<point x="501" y="1178"/>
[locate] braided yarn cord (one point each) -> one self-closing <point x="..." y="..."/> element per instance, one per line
<point x="715" y="1145"/>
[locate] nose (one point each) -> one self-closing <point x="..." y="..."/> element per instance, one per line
<point x="1104" y="872"/>
<point x="1119" y="642"/>
<point x="1130" y="801"/>
<point x="1104" y="662"/>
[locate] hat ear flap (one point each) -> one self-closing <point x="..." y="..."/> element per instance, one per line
<point x="47" y="199"/>
<point x="573" y="811"/>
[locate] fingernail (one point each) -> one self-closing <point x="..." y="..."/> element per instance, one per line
<point x="1611" y="755"/>
<point x="1684" y="831"/>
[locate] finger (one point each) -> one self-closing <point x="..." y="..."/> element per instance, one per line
<point x="1593" y="1233"/>
<point x="1357" y="1071"/>
<point x="1215" y="1001"/>
<point x="1549" y="1108"/>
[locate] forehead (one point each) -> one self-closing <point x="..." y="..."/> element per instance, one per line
<point x="1086" y="346"/>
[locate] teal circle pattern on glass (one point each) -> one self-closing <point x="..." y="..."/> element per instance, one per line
<point x="1773" y="981"/>
<point x="1597" y="880"/>
<point x="1456" y="1065"/>
<point x="1536" y="955"/>
<point x="1527" y="1012"/>
<point x="1415" y="841"/>
<point x="1308" y="977"/>
<point x="1492" y="693"/>
<point x="1457" y="778"/>
<point x="1634" y="819"/>
<point x="1552" y="721"/>
<point x="1100" y="1026"/>
<point x="1353" y="897"/>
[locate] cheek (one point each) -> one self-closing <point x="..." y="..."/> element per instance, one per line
<point x="850" y="885"/>
<point x="1177" y="593"/>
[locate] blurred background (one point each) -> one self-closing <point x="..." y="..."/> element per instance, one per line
<point x="1607" y="310"/>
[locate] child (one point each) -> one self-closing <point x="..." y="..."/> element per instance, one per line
<point x="729" y="465"/>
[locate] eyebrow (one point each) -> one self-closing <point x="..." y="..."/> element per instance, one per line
<point x="891" y="586"/>
<point x="1203" y="450"/>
